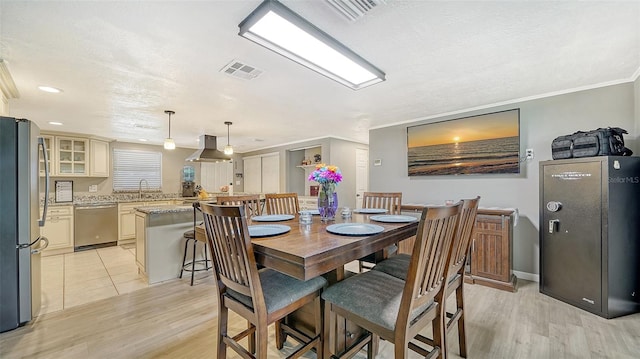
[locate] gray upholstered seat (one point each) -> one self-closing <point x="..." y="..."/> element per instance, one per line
<point x="373" y="295"/>
<point x="280" y="290"/>
<point x="396" y="266"/>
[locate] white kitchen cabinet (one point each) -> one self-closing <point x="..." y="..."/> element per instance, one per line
<point x="49" y="143"/>
<point x="71" y="156"/>
<point x="308" y="202"/>
<point x="99" y="163"/>
<point x="127" y="218"/>
<point x="58" y="229"/>
<point x="213" y="175"/>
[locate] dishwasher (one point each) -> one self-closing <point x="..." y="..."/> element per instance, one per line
<point x="95" y="225"/>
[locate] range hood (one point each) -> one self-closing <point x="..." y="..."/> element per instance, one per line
<point x="208" y="151"/>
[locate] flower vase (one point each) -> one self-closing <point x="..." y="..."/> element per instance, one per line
<point x="327" y="202"/>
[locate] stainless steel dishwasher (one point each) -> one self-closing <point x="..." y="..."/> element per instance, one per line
<point x="95" y="225"/>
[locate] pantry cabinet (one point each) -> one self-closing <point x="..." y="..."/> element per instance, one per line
<point x="58" y="229"/>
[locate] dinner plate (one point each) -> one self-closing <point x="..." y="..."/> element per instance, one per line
<point x="273" y="218"/>
<point x="371" y="210"/>
<point x="314" y="212"/>
<point x="266" y="230"/>
<point x="354" y="229"/>
<point x="393" y="218"/>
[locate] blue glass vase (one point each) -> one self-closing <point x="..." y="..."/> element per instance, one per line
<point x="327" y="202"/>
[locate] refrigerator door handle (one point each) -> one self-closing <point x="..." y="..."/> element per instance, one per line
<point x="46" y="181"/>
<point x="44" y="243"/>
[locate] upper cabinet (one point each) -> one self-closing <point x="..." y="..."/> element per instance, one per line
<point x="72" y="155"/>
<point x="99" y="160"/>
<point x="76" y="157"/>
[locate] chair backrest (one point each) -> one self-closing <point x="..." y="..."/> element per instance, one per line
<point x="426" y="276"/>
<point x="251" y="203"/>
<point x="282" y="203"/>
<point x="462" y="241"/>
<point x="391" y="201"/>
<point x="232" y="252"/>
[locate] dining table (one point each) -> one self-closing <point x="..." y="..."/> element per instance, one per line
<point x="309" y="250"/>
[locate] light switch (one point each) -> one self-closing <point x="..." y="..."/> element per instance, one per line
<point x="93" y="188"/>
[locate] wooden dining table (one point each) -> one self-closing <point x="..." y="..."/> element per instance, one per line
<point x="309" y="250"/>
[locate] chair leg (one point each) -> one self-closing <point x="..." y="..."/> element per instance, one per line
<point x="262" y="336"/>
<point x="372" y="348"/>
<point x="251" y="339"/>
<point x="193" y="262"/>
<point x="318" y="309"/>
<point x="462" y="334"/>
<point x="223" y="319"/>
<point x="184" y="257"/>
<point x="439" y="329"/>
<point x="281" y="336"/>
<point x="326" y="329"/>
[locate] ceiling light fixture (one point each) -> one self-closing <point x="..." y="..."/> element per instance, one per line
<point x="55" y="123"/>
<point x="228" y="150"/>
<point x="169" y="144"/>
<point x="281" y="30"/>
<point x="49" y="89"/>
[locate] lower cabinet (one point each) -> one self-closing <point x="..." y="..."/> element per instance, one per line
<point x="58" y="229"/>
<point x="127" y="218"/>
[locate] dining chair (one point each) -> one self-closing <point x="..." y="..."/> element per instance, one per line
<point x="398" y="267"/>
<point x="262" y="297"/>
<point x="191" y="238"/>
<point x="397" y="310"/>
<point x="251" y="202"/>
<point x="282" y="203"/>
<point x="392" y="202"/>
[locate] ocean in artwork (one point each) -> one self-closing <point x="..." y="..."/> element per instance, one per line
<point x="496" y="155"/>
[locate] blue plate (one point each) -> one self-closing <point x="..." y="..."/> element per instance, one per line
<point x="273" y="218"/>
<point x="371" y="210"/>
<point x="266" y="230"/>
<point x="393" y="218"/>
<point x="355" y="229"/>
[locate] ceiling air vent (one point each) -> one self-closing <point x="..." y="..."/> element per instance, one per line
<point x="354" y="9"/>
<point x="238" y="69"/>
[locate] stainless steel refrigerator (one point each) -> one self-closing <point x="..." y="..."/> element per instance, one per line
<point x="590" y="233"/>
<point x="20" y="221"/>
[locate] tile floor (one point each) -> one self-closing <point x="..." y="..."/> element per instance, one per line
<point x="77" y="278"/>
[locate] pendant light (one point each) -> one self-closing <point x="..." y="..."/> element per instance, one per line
<point x="228" y="150"/>
<point x="169" y="144"/>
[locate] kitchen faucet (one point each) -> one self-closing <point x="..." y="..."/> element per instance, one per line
<point x="140" y="187"/>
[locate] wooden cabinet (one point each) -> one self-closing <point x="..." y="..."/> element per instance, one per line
<point x="127" y="218"/>
<point x="71" y="156"/>
<point x="491" y="252"/>
<point x="49" y="144"/>
<point x="58" y="229"/>
<point x="99" y="163"/>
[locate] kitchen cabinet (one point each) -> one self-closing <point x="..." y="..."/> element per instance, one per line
<point x="308" y="202"/>
<point x="71" y="156"/>
<point x="491" y="253"/>
<point x="215" y="175"/>
<point x="99" y="163"/>
<point x="127" y="218"/>
<point x="58" y="229"/>
<point x="49" y="143"/>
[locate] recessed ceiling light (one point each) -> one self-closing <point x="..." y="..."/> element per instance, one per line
<point x="49" y="89"/>
<point x="142" y="139"/>
<point x="55" y="123"/>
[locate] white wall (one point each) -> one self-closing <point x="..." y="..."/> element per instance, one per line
<point x="540" y="122"/>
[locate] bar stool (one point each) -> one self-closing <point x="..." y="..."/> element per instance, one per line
<point x="190" y="237"/>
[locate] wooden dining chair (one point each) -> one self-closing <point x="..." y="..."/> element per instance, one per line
<point x="397" y="310"/>
<point x="392" y="202"/>
<point x="251" y="202"/>
<point x="282" y="203"/>
<point x="398" y="267"/>
<point x="262" y="297"/>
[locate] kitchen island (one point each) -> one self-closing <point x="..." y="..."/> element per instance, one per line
<point x="160" y="241"/>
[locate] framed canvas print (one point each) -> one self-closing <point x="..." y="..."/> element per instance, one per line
<point x="483" y="144"/>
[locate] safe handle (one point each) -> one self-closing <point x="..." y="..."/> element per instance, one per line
<point x="552" y="225"/>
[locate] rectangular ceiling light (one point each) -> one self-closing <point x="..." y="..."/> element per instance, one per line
<point x="279" y="29"/>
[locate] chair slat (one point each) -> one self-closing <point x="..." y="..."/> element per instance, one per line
<point x="282" y="203"/>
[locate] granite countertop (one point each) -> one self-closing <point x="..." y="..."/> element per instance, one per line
<point x="164" y="209"/>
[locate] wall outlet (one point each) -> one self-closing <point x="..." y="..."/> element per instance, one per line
<point x="529" y="153"/>
<point x="93" y="188"/>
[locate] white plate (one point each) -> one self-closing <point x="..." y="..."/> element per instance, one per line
<point x="314" y="212"/>
<point x="265" y="230"/>
<point x="393" y="218"/>
<point x="354" y="229"/>
<point x="273" y="218"/>
<point x="371" y="210"/>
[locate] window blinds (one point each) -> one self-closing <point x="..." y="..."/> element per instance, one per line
<point x="132" y="166"/>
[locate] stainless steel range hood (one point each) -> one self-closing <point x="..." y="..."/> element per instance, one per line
<point x="208" y="151"/>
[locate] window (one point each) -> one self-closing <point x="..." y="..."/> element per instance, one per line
<point x="130" y="167"/>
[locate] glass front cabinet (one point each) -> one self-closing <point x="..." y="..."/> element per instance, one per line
<point x="71" y="156"/>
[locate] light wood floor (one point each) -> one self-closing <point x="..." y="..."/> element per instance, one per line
<point x="174" y="320"/>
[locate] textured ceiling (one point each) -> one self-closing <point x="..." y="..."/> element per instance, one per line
<point x="121" y="64"/>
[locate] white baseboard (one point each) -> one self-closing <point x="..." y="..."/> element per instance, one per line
<point x="527" y="276"/>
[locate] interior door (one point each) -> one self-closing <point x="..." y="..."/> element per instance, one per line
<point x="571" y="233"/>
<point x="252" y="174"/>
<point x="271" y="173"/>
<point x="362" y="174"/>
